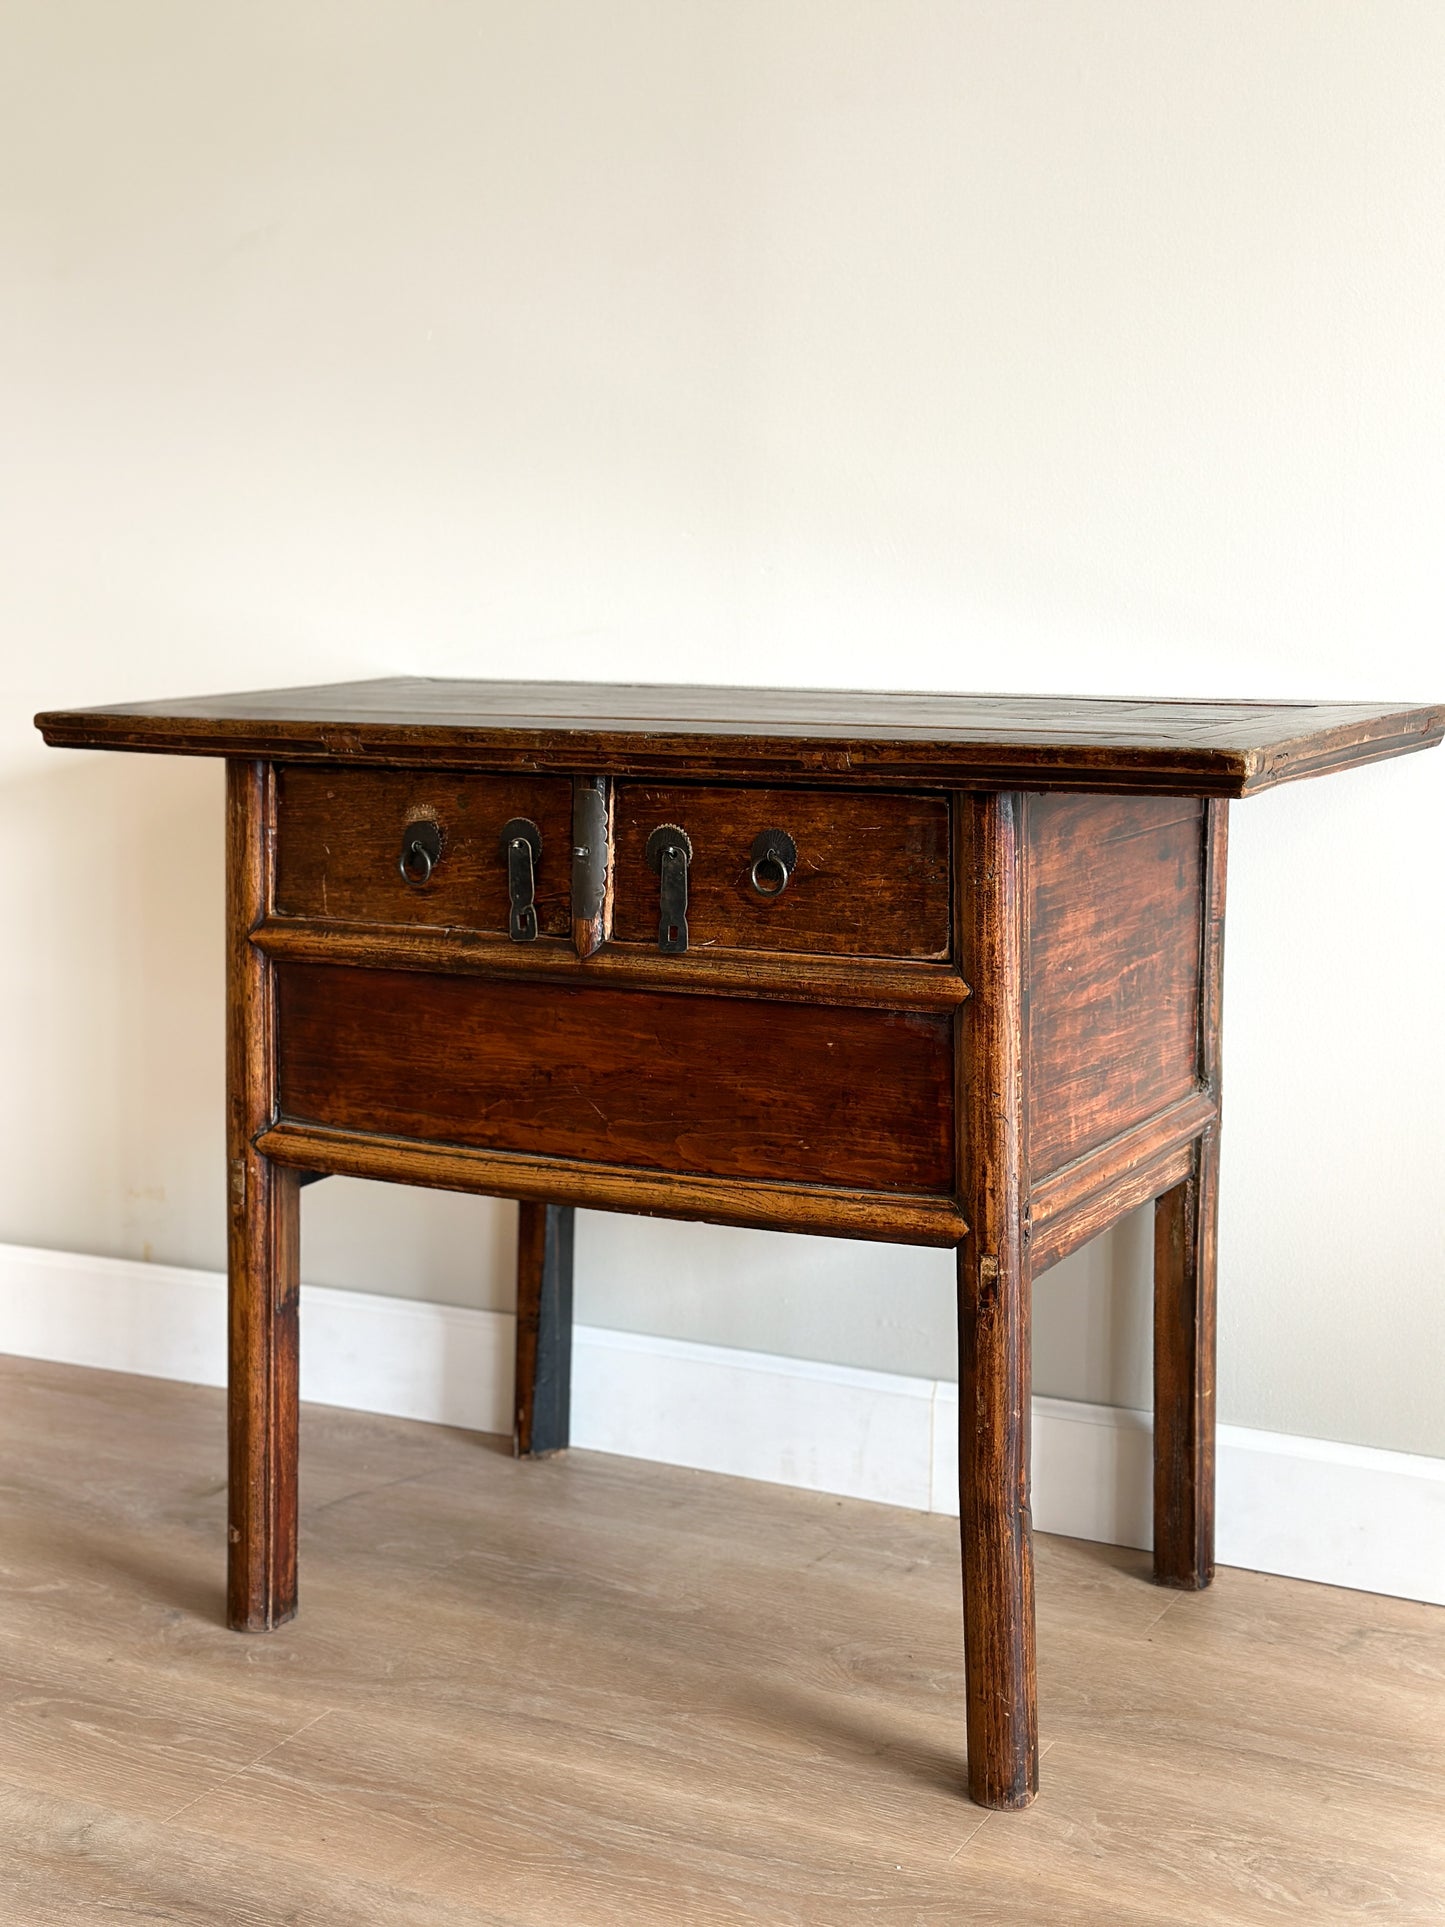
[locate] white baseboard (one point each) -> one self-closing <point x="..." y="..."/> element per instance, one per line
<point x="1345" y="1515"/>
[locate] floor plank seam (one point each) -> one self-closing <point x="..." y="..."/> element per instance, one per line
<point x="265" y="1754"/>
<point x="366" y="1492"/>
<point x="992" y="1814"/>
<point x="1163" y="1612"/>
<point x="968" y="1838"/>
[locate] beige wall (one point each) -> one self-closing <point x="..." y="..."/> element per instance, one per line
<point x="1083" y="346"/>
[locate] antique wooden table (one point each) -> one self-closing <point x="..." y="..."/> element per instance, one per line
<point x="925" y="968"/>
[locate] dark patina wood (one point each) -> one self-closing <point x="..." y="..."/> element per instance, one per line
<point x="340" y="833"/>
<point x="1185" y="1255"/>
<point x="720" y="1087"/>
<point x="983" y="1014"/>
<point x="736" y="973"/>
<point x="264" y="1242"/>
<point x="890" y="1217"/>
<point x="994" y="1304"/>
<point x="1114" y="957"/>
<point x="542" y="1407"/>
<point x="855" y="736"/>
<point x="871" y="877"/>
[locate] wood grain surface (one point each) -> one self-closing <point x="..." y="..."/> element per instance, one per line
<point x="871" y="877"/>
<point x="984" y="741"/>
<point x="339" y="839"/>
<point x="588" y="1690"/>
<point x="1114" y="932"/>
<point x="710" y="1085"/>
<point x="734" y="973"/>
<point x="1186" y="1244"/>
<point x="263" y="1238"/>
<point x="890" y="1217"/>
<point x="995" y="1296"/>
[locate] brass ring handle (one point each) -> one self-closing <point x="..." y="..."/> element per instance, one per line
<point x="775" y="857"/>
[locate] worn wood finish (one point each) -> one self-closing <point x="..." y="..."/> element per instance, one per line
<point x="710" y="1085"/>
<point x="542" y="1406"/>
<point x="872" y="875"/>
<point x="339" y="839"/>
<point x="759" y="735"/>
<point x="264" y="1253"/>
<point x="873" y="982"/>
<point x="994" y="1300"/>
<point x="1185" y="1220"/>
<point x="997" y="1033"/>
<point x="1185" y="1260"/>
<point x="1114" y="960"/>
<point x="891" y="1217"/>
<point x="1078" y="1201"/>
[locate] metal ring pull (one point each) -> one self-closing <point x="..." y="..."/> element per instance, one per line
<point x="421" y="847"/>
<point x="775" y="857"/>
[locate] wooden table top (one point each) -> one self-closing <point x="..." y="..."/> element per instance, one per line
<point x="659" y="730"/>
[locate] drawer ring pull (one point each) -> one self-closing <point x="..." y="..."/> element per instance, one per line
<point x="420" y="848"/>
<point x="775" y="857"/>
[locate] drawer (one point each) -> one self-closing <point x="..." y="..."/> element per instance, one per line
<point x="720" y="1087"/>
<point x="871" y="879"/>
<point x="340" y="835"/>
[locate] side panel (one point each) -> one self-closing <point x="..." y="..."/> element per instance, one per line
<point x="1114" y="932"/>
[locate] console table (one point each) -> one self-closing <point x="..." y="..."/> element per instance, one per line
<point x="925" y="968"/>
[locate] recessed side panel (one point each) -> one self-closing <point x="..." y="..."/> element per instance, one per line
<point x="1114" y="898"/>
<point x="712" y="1086"/>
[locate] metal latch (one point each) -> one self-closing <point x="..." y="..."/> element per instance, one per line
<point x="590" y="850"/>
<point x="669" y="852"/>
<point x="522" y="841"/>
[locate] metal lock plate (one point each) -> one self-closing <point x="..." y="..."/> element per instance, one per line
<point x="589" y="849"/>
<point x="669" y="852"/>
<point x="522" y="842"/>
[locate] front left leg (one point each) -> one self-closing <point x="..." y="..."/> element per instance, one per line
<point x="264" y="1243"/>
<point x="264" y="1294"/>
<point x="994" y="1324"/>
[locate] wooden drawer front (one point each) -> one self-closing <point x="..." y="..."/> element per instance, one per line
<point x="339" y="838"/>
<point x="871" y="878"/>
<point x="722" y="1087"/>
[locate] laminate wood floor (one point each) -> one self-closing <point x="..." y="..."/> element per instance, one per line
<point x="590" y="1691"/>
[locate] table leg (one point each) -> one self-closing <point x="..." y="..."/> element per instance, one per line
<point x="263" y="1244"/>
<point x="543" y="1401"/>
<point x="997" y="1529"/>
<point x="994" y="1303"/>
<point x="1184" y="1345"/>
<point x="264" y="1410"/>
